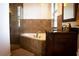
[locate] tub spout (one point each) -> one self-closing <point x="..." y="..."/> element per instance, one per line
<point x="37" y="34"/>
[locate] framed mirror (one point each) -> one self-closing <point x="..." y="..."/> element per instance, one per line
<point x="69" y="12"/>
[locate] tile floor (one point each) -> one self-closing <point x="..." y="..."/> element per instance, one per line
<point x="22" y="52"/>
<point x="17" y="51"/>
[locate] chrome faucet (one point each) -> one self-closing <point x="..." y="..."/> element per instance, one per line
<point x="37" y="34"/>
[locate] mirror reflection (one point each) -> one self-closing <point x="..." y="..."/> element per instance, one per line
<point x="69" y="11"/>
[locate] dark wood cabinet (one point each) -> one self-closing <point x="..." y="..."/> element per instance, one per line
<point x="61" y="44"/>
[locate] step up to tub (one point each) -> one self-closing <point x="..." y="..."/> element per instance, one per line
<point x="22" y="52"/>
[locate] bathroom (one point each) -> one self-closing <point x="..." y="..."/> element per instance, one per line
<point x="29" y="23"/>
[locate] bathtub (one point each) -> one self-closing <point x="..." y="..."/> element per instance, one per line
<point x="37" y="36"/>
<point x="33" y="42"/>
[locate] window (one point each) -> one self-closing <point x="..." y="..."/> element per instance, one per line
<point x="19" y="14"/>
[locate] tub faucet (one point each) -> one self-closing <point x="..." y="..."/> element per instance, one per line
<point x="37" y="33"/>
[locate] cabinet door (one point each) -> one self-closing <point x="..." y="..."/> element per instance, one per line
<point x="49" y="44"/>
<point x="64" y="44"/>
<point x="61" y="44"/>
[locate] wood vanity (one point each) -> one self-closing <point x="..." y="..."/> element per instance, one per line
<point x="51" y="44"/>
<point x="61" y="44"/>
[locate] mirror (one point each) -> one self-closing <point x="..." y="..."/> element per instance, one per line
<point x="69" y="12"/>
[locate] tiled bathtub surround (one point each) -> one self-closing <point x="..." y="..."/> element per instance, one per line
<point x="33" y="44"/>
<point x="35" y="25"/>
